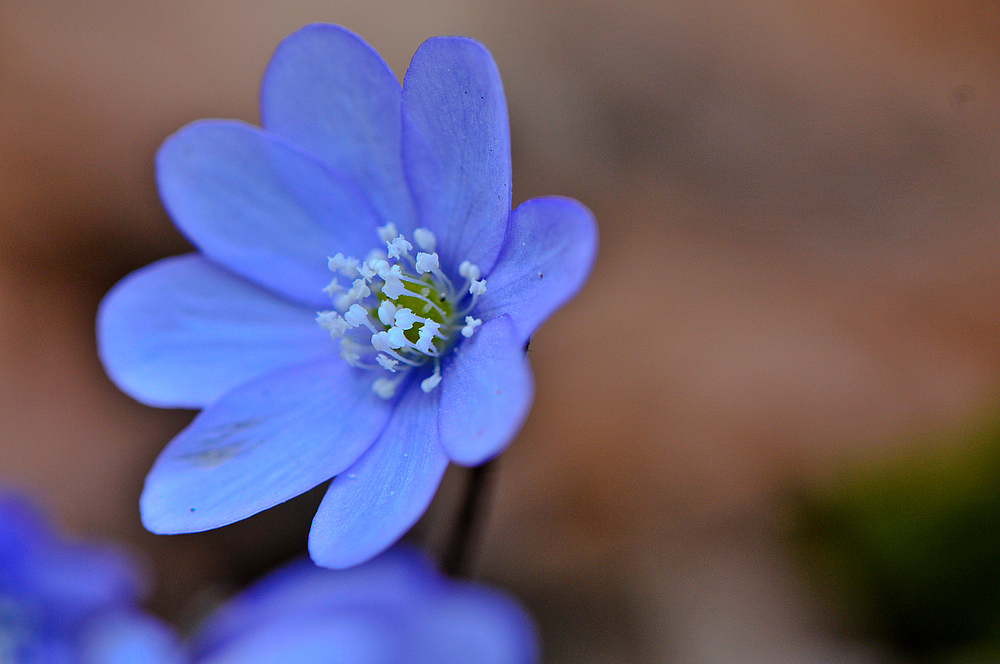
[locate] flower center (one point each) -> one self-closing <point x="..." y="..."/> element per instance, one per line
<point x="401" y="311"/>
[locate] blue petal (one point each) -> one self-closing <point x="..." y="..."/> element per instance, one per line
<point x="550" y="247"/>
<point x="129" y="638"/>
<point x="486" y="393"/>
<point x="456" y="149"/>
<point x="345" y="636"/>
<point x="71" y="580"/>
<point x="261" y="444"/>
<point x="262" y="207"/>
<point x="475" y="624"/>
<point x="393" y="608"/>
<point x="331" y="93"/>
<point x="397" y="579"/>
<point x="48" y="649"/>
<point x="182" y="332"/>
<point x="74" y="580"/>
<point x="369" y="507"/>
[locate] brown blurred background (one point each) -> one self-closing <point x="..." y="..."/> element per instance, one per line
<point x="798" y="206"/>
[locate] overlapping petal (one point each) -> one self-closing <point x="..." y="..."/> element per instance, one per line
<point x="331" y="93"/>
<point x="485" y="393"/>
<point x="263" y="443"/>
<point x="369" y="507"/>
<point x="262" y="207"/>
<point x="182" y="332"/>
<point x="456" y="148"/>
<point x="550" y="247"/>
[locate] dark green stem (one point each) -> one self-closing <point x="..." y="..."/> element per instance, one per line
<point x="458" y="557"/>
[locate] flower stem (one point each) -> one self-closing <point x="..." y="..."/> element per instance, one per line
<point x="458" y="557"/>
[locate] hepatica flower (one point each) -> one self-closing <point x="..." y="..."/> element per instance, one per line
<point x="395" y="608"/>
<point x="63" y="602"/>
<point x="67" y="603"/>
<point x="361" y="299"/>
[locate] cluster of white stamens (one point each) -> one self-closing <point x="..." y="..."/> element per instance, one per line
<point x="400" y="311"/>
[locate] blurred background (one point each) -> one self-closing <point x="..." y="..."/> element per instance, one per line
<point x="766" y="431"/>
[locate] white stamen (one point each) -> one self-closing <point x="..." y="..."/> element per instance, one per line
<point x="398" y="247"/>
<point x="428" y="384"/>
<point x="359" y="291"/>
<point x="477" y="288"/>
<point x="396" y="337"/>
<point x="469" y="270"/>
<point x="470" y="326"/>
<point x="425" y="339"/>
<point x="386" y="312"/>
<point x="380" y="342"/>
<point x="347" y="266"/>
<point x="387" y="363"/>
<point x="425" y="239"/>
<point x="332" y="323"/>
<point x="379" y="266"/>
<point x="387" y="232"/>
<point x="367" y="271"/>
<point x="385" y="387"/>
<point x="375" y="255"/>
<point x="404" y="319"/>
<point x="350" y="351"/>
<point x="358" y="316"/>
<point x="393" y="287"/>
<point x="333" y="288"/>
<point x="432" y="328"/>
<point x="427" y="263"/>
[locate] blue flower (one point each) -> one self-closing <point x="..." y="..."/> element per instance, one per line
<point x="68" y="603"/>
<point x="395" y="608"/>
<point x="409" y="355"/>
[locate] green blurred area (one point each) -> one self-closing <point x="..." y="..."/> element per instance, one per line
<point x="910" y="550"/>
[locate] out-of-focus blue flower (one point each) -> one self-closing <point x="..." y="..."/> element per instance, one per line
<point x="405" y="195"/>
<point x="393" y="609"/>
<point x="69" y="603"/>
